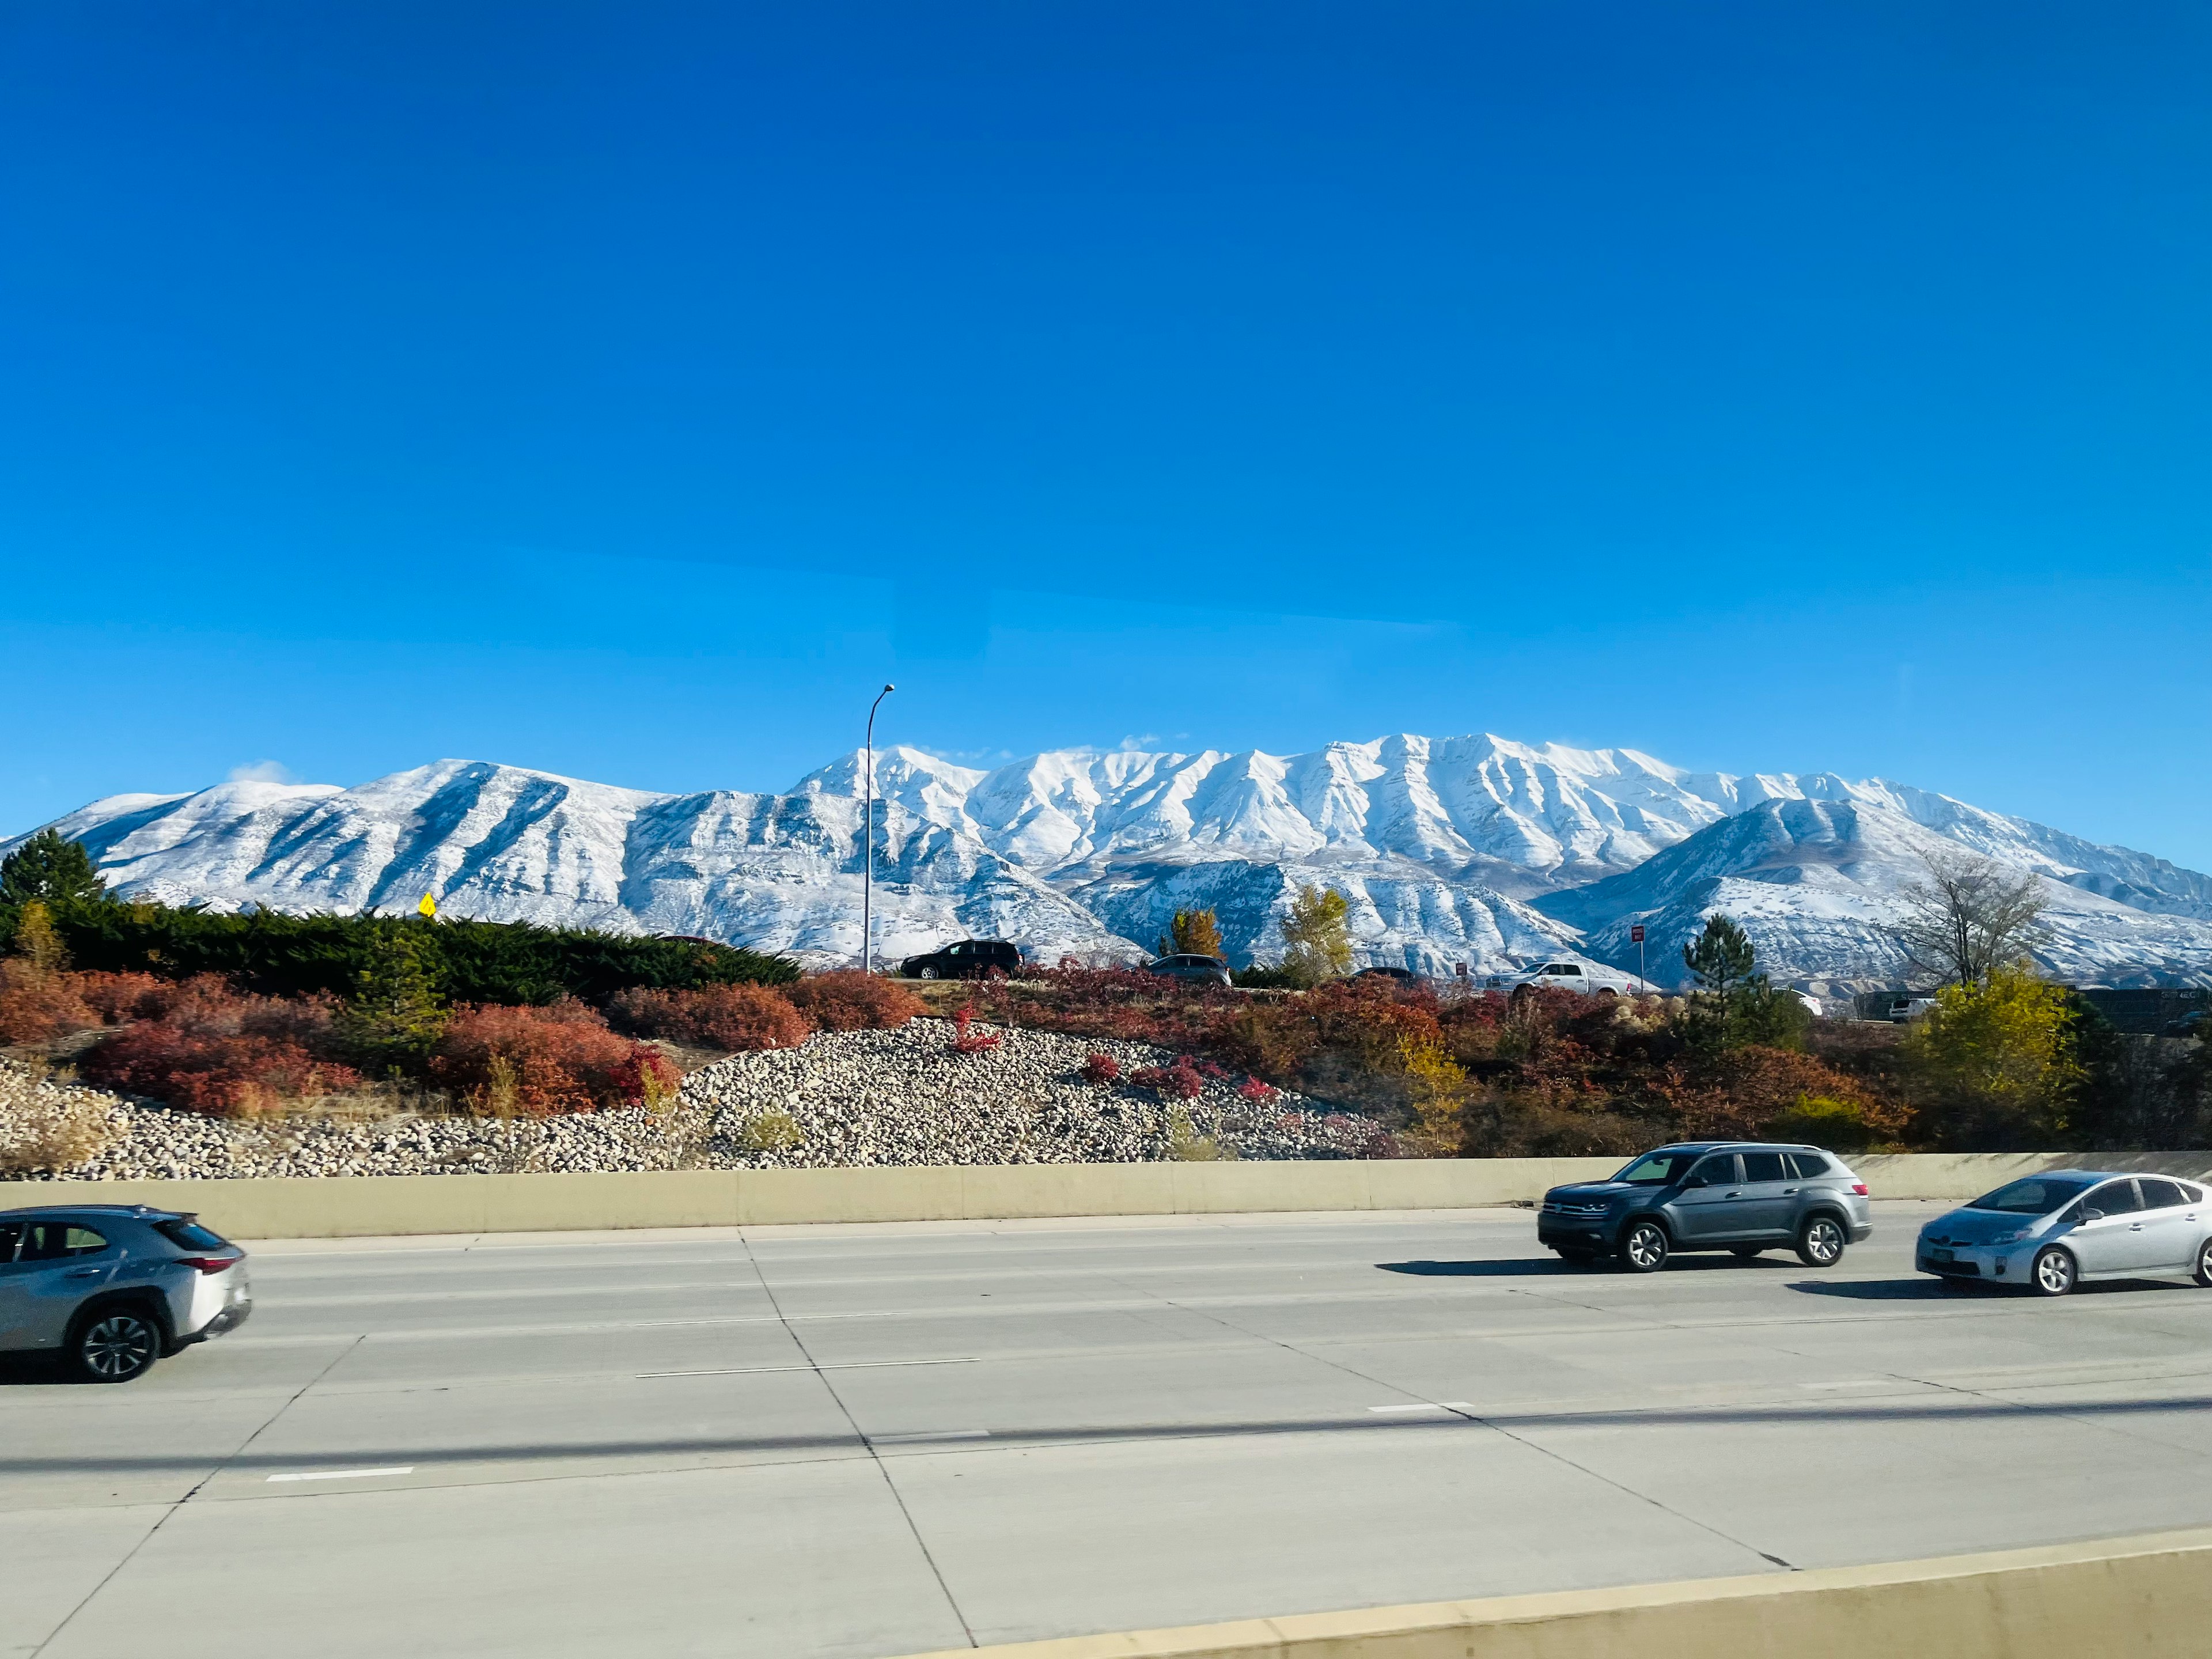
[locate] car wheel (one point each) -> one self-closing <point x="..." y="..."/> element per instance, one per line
<point x="1821" y="1242"/>
<point x="115" y="1345"/>
<point x="926" y="973"/>
<point x="2053" y="1273"/>
<point x="2204" y="1263"/>
<point x="1644" y="1248"/>
<point x="1745" y="1252"/>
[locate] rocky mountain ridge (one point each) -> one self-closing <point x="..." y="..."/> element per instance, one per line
<point x="1468" y="849"/>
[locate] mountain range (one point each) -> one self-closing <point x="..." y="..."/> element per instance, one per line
<point x="1472" y="850"/>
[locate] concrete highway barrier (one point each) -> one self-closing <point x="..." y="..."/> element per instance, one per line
<point x="2148" y="1596"/>
<point x="361" y="1205"/>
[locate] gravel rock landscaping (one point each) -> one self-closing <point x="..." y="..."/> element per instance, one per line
<point x="843" y="1098"/>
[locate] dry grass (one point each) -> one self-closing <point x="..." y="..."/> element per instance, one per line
<point x="49" y="1129"/>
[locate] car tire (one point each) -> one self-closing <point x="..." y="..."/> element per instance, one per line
<point x="114" y="1345"/>
<point x="1822" y="1241"/>
<point x="1644" y="1247"/>
<point x="2204" y="1263"/>
<point x="926" y="973"/>
<point x="2053" y="1273"/>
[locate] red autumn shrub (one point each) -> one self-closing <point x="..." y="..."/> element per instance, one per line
<point x="119" y="997"/>
<point x="847" y="1000"/>
<point x="538" y="1062"/>
<point x="741" y="1018"/>
<point x="1259" y="1093"/>
<point x="965" y="1042"/>
<point x="1102" y="1069"/>
<point x="38" y="1003"/>
<point x="1180" y="1081"/>
<point x="215" y="1050"/>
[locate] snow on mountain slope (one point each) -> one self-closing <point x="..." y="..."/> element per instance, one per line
<point x="507" y="844"/>
<point x="1473" y="849"/>
<point x="1817" y="885"/>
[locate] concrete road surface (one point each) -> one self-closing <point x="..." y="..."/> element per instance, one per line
<point x="874" y="1440"/>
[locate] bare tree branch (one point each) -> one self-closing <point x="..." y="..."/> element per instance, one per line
<point x="1971" y="914"/>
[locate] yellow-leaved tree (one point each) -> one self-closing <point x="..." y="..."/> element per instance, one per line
<point x="1193" y="933"/>
<point x="1440" y="1087"/>
<point x="1317" y="936"/>
<point x="1995" y="1063"/>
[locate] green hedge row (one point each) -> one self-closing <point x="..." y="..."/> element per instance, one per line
<point x="504" y="962"/>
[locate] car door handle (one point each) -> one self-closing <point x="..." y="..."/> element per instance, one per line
<point x="2135" y="1226"/>
<point x="84" y="1272"/>
<point x="1788" y="1191"/>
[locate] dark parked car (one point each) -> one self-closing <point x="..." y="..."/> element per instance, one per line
<point x="971" y="958"/>
<point x="115" y="1287"/>
<point x="1208" y="970"/>
<point x="1742" y="1197"/>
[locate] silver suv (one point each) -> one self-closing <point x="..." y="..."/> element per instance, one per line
<point x="115" y="1287"/>
<point x="1739" y="1196"/>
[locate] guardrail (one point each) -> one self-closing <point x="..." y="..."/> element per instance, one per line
<point x="357" y="1205"/>
<point x="2148" y="1596"/>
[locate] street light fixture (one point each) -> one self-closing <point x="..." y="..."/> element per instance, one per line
<point x="868" y="839"/>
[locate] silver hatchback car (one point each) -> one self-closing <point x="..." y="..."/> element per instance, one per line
<point x="2050" y="1232"/>
<point x="115" y="1287"/>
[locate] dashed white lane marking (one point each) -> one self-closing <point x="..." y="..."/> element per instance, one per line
<point x="931" y="1434"/>
<point x="1440" y="1406"/>
<point x="844" y="1365"/>
<point x="343" y="1474"/>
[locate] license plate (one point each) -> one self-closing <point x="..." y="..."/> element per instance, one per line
<point x="1942" y="1255"/>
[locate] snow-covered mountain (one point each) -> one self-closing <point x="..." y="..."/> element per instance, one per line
<point x="1469" y="849"/>
<point x="1816" y="885"/>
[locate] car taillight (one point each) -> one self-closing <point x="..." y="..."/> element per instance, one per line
<point x="210" y="1264"/>
<point x="1859" y="1186"/>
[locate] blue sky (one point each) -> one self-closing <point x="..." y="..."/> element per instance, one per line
<point x="629" y="391"/>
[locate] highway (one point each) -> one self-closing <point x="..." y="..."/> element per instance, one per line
<point x="874" y="1440"/>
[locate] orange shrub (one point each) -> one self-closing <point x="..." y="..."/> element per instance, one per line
<point x="740" y="1018"/>
<point x="539" y="1061"/>
<point x="215" y="1050"/>
<point x="847" y="1000"/>
<point x="38" y="1003"/>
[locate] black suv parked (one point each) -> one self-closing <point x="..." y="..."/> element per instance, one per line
<point x="1731" y="1195"/>
<point x="971" y="958"/>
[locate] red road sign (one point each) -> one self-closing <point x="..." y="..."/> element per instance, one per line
<point x="1636" y="933"/>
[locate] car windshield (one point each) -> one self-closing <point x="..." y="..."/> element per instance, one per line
<point x="2036" y="1195"/>
<point x="1657" y="1169"/>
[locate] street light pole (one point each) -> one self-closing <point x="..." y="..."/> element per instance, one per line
<point x="868" y="839"/>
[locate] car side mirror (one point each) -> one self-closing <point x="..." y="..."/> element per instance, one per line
<point x="2093" y="1215"/>
<point x="1697" y="1180"/>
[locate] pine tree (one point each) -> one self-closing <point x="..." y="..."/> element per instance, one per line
<point x="396" y="1016"/>
<point x="1721" y="961"/>
<point x="51" y="868"/>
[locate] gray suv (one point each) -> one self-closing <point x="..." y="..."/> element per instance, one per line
<point x="1740" y="1196"/>
<point x="114" y="1287"/>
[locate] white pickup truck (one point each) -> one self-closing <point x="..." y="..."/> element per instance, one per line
<point x="1588" y="978"/>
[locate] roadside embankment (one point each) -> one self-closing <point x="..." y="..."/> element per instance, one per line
<point x="357" y="1206"/>
<point x="2148" y="1596"/>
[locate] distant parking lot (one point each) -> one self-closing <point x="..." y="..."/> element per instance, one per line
<point x="874" y="1440"/>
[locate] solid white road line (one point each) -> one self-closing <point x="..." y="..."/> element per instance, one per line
<point x="343" y="1474"/>
<point x="932" y="1434"/>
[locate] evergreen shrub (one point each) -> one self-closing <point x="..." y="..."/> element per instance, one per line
<point x="273" y="954"/>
